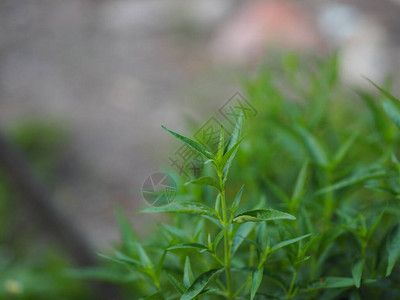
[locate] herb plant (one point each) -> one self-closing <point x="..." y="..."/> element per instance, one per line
<point x="319" y="218"/>
<point x="231" y="280"/>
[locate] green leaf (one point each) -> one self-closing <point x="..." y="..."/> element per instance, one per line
<point x="278" y="192"/>
<point x="206" y="180"/>
<point x="102" y="274"/>
<point x="188" y="246"/>
<point x="374" y="225"/>
<point x="356" y="271"/>
<point x="230" y="153"/>
<point x="188" y="277"/>
<point x="177" y="232"/>
<point x="331" y="283"/>
<point x="228" y="159"/>
<point x="343" y="150"/>
<point x="393" y="111"/>
<point x="192" y="144"/>
<point x="391" y="107"/>
<point x="378" y="115"/>
<point x="393" y="248"/>
<point x="200" y="284"/>
<point x="220" y="152"/>
<point x="384" y="92"/>
<point x="128" y="235"/>
<point x="144" y="259"/>
<point x="235" y="135"/>
<point x="256" y="281"/>
<point x="240" y="235"/>
<point x="182" y="208"/>
<point x="217" y="239"/>
<point x="179" y="287"/>
<point x="260" y="215"/>
<point x="129" y="263"/>
<point x="231" y="148"/>
<point x="261" y="236"/>
<point x="236" y="202"/>
<point x="358" y="177"/>
<point x="209" y="243"/>
<point x="217" y="204"/>
<point x="160" y="264"/>
<point x="315" y="149"/>
<point x="300" y="186"/>
<point x="288" y="242"/>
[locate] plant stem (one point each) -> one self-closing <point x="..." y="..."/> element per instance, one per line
<point x="226" y="225"/>
<point x="328" y="205"/>
<point x="289" y="293"/>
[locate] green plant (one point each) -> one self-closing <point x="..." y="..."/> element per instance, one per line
<point x="316" y="152"/>
<point x="230" y="228"/>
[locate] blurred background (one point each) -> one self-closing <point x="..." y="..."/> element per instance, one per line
<point x="86" y="84"/>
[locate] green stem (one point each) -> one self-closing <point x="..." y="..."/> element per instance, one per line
<point x="289" y="293"/>
<point x="328" y="207"/>
<point x="226" y="225"/>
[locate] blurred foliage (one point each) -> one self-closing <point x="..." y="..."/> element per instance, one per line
<point x="319" y="150"/>
<point x="32" y="267"/>
<point x="323" y="152"/>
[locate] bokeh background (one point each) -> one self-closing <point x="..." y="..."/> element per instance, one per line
<point x="91" y="81"/>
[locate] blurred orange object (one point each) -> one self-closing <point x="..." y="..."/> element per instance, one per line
<point x="258" y="25"/>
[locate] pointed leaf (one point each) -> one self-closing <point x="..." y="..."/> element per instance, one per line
<point x="220" y="152"/>
<point x="300" y="185"/>
<point x="236" y="202"/>
<point x="128" y="235"/>
<point x="127" y="262"/>
<point x="144" y="259"/>
<point x="236" y="134"/>
<point x="217" y="239"/>
<point x="177" y="232"/>
<point x="384" y="92"/>
<point x="182" y="208"/>
<point x="331" y="282"/>
<point x="231" y="152"/>
<point x="188" y="277"/>
<point x="179" y="287"/>
<point x="188" y="246"/>
<point x="393" y="249"/>
<point x="240" y="235"/>
<point x="393" y="111"/>
<point x="344" y="149"/>
<point x="200" y="284"/>
<point x="278" y="192"/>
<point x="391" y="106"/>
<point x="315" y="149"/>
<point x="217" y="204"/>
<point x="206" y="180"/>
<point x="228" y="159"/>
<point x="192" y="144"/>
<point x="160" y="264"/>
<point x="256" y="281"/>
<point x="260" y="215"/>
<point x="357" y="270"/>
<point x="358" y="177"/>
<point x="288" y="242"/>
<point x="374" y="224"/>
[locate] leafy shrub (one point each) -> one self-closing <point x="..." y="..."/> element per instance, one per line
<point x="319" y="218"/>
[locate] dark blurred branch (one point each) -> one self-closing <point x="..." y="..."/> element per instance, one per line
<point x="39" y="200"/>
